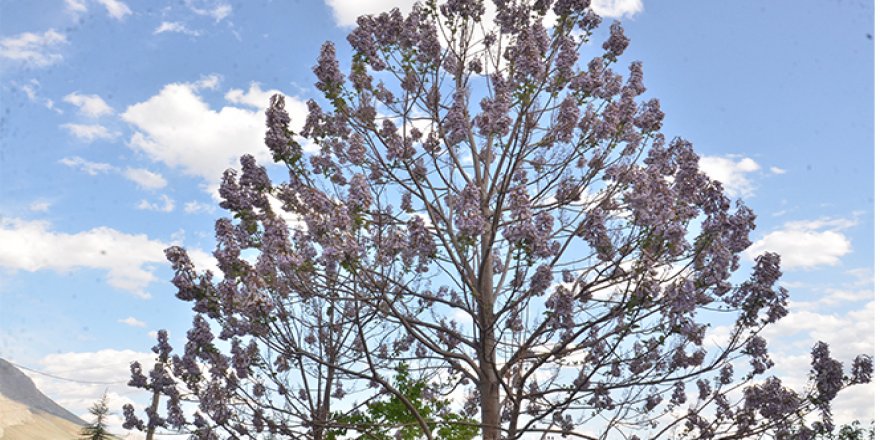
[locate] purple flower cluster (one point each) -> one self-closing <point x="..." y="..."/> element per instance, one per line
<point x="528" y="53"/>
<point x="330" y="78"/>
<point x="456" y="125"/>
<point x="617" y="42"/>
<point x="569" y="7"/>
<point x="862" y="369"/>
<point x="532" y="232"/>
<point x="756" y="348"/>
<point x="468" y="208"/>
<point x="278" y="135"/>
<point x="495" y="118"/>
<point x="770" y="399"/>
<point x="827" y="373"/>
<point x="466" y="9"/>
<point x="566" y="119"/>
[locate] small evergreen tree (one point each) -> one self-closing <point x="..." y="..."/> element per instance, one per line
<point x="97" y="430"/>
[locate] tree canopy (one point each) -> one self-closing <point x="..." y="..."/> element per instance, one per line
<point x="492" y="205"/>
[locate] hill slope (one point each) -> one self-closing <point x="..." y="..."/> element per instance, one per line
<point x="27" y="414"/>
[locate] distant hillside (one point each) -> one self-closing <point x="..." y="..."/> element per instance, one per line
<point x="27" y="414"/>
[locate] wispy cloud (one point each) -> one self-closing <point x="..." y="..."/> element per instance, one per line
<point x="194" y="207"/>
<point x="88" y="167"/>
<point x="115" y="8"/>
<point x="90" y="132"/>
<point x="37" y="50"/>
<point x="218" y="10"/>
<point x="165" y="204"/>
<point x="76" y="6"/>
<point x="30" y="89"/>
<point x="175" y="27"/>
<point x="92" y="106"/>
<point x="40" y="206"/>
<point x="144" y="178"/>
<point x="133" y="322"/>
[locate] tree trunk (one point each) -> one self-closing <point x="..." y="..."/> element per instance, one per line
<point x="490" y="397"/>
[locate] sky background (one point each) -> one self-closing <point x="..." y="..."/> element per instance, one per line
<point x="118" y="118"/>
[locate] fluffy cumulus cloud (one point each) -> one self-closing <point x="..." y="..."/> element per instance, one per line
<point x="346" y="12"/>
<point x="806" y="244"/>
<point x="92" y="106"/>
<point x="90" y="132"/>
<point x="33" y="49"/>
<point x="791" y="339"/>
<point x="175" y="27"/>
<point x="128" y="259"/>
<point x="178" y="128"/>
<point x="732" y="172"/>
<point x="81" y="378"/>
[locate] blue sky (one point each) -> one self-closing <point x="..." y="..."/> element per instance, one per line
<point x="117" y="118"/>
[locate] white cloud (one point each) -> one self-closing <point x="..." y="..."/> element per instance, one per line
<point x="194" y="207"/>
<point x="731" y="173"/>
<point x="88" y="167"/>
<point x="806" y="244"/>
<point x="178" y="128"/>
<point x="132" y="321"/>
<point x="777" y="170"/>
<point x="91" y="106"/>
<point x="89" y="132"/>
<point x="145" y="179"/>
<point x="128" y="259"/>
<point x="115" y="8"/>
<point x="38" y="50"/>
<point x="255" y="97"/>
<point x="346" y="12"/>
<point x="30" y="90"/>
<point x="166" y="204"/>
<point x="40" y="206"/>
<point x="175" y="27"/>
<point x="92" y="373"/>
<point x="210" y="82"/>
<point x="218" y="10"/>
<point x="617" y="8"/>
<point x="76" y="6"/>
<point x="791" y="339"/>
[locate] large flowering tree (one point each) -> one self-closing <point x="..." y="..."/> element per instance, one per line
<point x="503" y="219"/>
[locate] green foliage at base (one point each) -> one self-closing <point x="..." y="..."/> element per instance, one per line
<point x="391" y="419"/>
